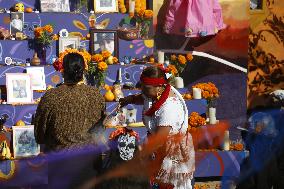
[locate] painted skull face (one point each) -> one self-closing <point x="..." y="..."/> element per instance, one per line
<point x="126" y="146"/>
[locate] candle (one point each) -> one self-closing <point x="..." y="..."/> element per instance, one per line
<point x="196" y="93"/>
<point x="212" y="112"/>
<point x="226" y="145"/>
<point x="131" y="7"/>
<point x="161" y="57"/>
<point x="212" y="119"/>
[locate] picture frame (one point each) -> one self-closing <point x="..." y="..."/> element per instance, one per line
<point x="18" y="87"/>
<point x="16" y="22"/>
<point x="24" y="143"/>
<point x="105" y="6"/>
<point x="37" y="77"/>
<point x="54" y="6"/>
<point x="68" y="42"/>
<point x="104" y="40"/>
<point x="257" y="6"/>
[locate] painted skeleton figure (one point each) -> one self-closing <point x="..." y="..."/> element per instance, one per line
<point x="126" y="146"/>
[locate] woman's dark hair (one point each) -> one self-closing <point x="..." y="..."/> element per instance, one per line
<point x="74" y="66"/>
<point x="154" y="72"/>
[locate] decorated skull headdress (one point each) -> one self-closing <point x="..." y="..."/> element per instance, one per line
<point x="126" y="142"/>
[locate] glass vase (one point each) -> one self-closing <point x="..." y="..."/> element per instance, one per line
<point x="41" y="52"/>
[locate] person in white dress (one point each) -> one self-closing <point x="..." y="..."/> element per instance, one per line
<point x="165" y="113"/>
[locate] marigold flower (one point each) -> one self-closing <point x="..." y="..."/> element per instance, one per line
<point x="140" y="13"/>
<point x="189" y="57"/>
<point x="97" y="58"/>
<point x="115" y="60"/>
<point x="102" y="66"/>
<point x="48" y="28"/>
<point x="106" y="54"/>
<point x="148" y="14"/>
<point x="173" y="57"/>
<point x="181" y="59"/>
<point x="123" y="10"/>
<point x="172" y="69"/>
<point x="55" y="37"/>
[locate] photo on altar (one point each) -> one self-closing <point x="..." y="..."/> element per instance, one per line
<point x="105" y="6"/>
<point x="54" y="6"/>
<point x="37" y="77"/>
<point x="24" y="143"/>
<point x="68" y="43"/>
<point x="102" y="40"/>
<point x="18" y="88"/>
<point x="16" y="23"/>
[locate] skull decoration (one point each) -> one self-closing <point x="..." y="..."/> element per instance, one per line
<point x="126" y="146"/>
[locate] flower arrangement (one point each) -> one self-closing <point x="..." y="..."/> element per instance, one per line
<point x="178" y="63"/>
<point x="44" y="36"/>
<point x="237" y="146"/>
<point x="194" y="121"/>
<point x="209" y="91"/>
<point x="143" y="19"/>
<point x="99" y="65"/>
<point x="58" y="64"/>
<point x="122" y="131"/>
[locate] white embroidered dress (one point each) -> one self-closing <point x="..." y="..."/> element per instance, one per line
<point x="179" y="163"/>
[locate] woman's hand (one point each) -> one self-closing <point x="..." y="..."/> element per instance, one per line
<point x="125" y="101"/>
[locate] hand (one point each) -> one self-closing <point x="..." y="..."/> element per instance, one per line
<point x="125" y="101"/>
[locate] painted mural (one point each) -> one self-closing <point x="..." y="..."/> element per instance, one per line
<point x="266" y="57"/>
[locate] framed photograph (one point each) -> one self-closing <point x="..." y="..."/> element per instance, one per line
<point x="37" y="77"/>
<point x="104" y="40"/>
<point x="54" y="6"/>
<point x="256" y="4"/>
<point x="19" y="88"/>
<point x="24" y="143"/>
<point x="258" y="7"/>
<point x="16" y="22"/>
<point x="68" y="43"/>
<point x="105" y="6"/>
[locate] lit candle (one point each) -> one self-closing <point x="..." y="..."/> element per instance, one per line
<point x="161" y="57"/>
<point x="226" y="145"/>
<point x="196" y="93"/>
<point x="131" y="7"/>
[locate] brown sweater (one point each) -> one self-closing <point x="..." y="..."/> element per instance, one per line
<point x="66" y="114"/>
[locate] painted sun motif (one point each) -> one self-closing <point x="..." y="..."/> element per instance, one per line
<point x="145" y="46"/>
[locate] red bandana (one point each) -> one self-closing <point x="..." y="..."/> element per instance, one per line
<point x="153" y="81"/>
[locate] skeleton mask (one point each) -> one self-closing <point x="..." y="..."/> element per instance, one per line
<point x="126" y="146"/>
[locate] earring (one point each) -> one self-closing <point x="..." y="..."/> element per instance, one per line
<point x="159" y="94"/>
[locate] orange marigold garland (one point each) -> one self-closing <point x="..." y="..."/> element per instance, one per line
<point x="122" y="131"/>
<point x="58" y="64"/>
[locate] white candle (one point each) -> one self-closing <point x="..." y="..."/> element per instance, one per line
<point x="196" y="93"/>
<point x="212" y="112"/>
<point x="212" y="120"/>
<point x="161" y="57"/>
<point x="131" y="6"/>
<point x="179" y="83"/>
<point x="226" y="145"/>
